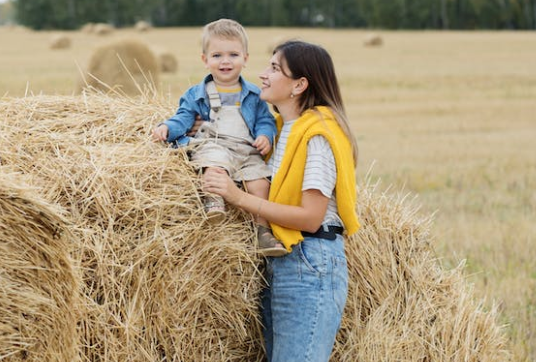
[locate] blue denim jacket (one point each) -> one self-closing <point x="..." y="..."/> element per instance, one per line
<point x="195" y="101"/>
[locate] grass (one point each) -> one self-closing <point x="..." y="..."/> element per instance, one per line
<point x="446" y="116"/>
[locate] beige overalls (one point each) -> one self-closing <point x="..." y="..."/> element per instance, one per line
<point x="225" y="141"/>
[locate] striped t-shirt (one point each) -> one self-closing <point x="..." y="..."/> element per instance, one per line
<point x="320" y="169"/>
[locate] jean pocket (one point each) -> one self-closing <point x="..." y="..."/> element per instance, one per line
<point x="339" y="282"/>
<point x="312" y="255"/>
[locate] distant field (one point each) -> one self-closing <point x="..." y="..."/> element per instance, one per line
<point x="449" y="117"/>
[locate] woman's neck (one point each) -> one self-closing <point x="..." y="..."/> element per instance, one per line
<point x="289" y="111"/>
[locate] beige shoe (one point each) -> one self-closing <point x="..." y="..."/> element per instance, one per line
<point x="267" y="244"/>
<point x="215" y="208"/>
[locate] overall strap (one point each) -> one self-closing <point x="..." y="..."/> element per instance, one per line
<point x="213" y="96"/>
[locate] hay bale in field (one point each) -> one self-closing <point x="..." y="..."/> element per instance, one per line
<point x="373" y="40"/>
<point x="60" y="41"/>
<point x="88" y="28"/>
<point x="161" y="285"/>
<point x="402" y="305"/>
<point x="103" y="29"/>
<point x="167" y="61"/>
<point x="127" y="65"/>
<point x="40" y="289"/>
<point x="142" y="26"/>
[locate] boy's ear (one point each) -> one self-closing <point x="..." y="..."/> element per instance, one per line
<point x="204" y="59"/>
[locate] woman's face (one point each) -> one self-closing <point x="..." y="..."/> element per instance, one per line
<point x="276" y="87"/>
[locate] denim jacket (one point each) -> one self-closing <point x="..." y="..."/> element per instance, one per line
<point x="195" y="101"/>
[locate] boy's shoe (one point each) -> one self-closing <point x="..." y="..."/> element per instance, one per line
<point x="215" y="208"/>
<point x="267" y="244"/>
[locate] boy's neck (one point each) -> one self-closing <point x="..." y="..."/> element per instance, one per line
<point x="226" y="85"/>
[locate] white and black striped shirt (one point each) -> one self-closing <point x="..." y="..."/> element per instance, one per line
<point x="320" y="169"/>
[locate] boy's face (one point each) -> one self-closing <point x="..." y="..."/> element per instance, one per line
<point x="225" y="58"/>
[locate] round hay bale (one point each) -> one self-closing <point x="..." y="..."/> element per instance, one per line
<point x="126" y="65"/>
<point x="167" y="61"/>
<point x="40" y="289"/>
<point x="142" y="26"/>
<point x="373" y="40"/>
<point x="103" y="29"/>
<point x="161" y="285"/>
<point x="60" y="41"/>
<point x="88" y="28"/>
<point x="402" y="305"/>
<point x="158" y="283"/>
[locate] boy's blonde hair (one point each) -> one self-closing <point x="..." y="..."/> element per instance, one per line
<point x="226" y="29"/>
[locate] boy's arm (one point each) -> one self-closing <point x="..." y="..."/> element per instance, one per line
<point x="182" y="121"/>
<point x="264" y="122"/>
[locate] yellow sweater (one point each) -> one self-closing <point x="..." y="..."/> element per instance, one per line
<point x="287" y="183"/>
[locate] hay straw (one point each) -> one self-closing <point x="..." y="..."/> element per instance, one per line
<point x="159" y="283"/>
<point x="402" y="304"/>
<point x="38" y="284"/>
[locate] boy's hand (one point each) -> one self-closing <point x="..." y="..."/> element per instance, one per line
<point x="262" y="144"/>
<point x="160" y="133"/>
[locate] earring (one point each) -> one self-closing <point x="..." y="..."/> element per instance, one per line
<point x="291" y="95"/>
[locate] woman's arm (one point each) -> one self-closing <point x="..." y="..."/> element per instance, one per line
<point x="307" y="217"/>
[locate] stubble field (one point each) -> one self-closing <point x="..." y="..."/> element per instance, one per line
<point x="448" y="117"/>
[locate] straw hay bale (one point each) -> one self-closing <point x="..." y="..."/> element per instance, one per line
<point x="160" y="284"/>
<point x="40" y="290"/>
<point x="142" y="26"/>
<point x="402" y="305"/>
<point x="126" y="65"/>
<point x="60" y="41"/>
<point x="103" y="29"/>
<point x="373" y="40"/>
<point x="167" y="61"/>
<point x="88" y="28"/>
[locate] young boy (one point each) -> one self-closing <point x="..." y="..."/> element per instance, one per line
<point x="239" y="127"/>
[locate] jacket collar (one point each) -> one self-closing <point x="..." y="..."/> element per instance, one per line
<point x="246" y="86"/>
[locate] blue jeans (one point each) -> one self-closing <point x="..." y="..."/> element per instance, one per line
<point x="303" y="304"/>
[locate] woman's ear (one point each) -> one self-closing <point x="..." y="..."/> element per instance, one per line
<point x="300" y="86"/>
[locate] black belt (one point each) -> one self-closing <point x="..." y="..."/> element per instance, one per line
<point x="329" y="234"/>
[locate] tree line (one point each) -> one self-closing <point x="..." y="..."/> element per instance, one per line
<point x="386" y="14"/>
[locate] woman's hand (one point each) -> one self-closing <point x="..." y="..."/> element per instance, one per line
<point x="217" y="181"/>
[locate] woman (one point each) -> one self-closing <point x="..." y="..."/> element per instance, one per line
<point x="312" y="201"/>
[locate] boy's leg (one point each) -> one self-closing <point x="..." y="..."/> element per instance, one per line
<point x="260" y="188"/>
<point x="212" y="154"/>
<point x="214" y="205"/>
<point x="267" y="243"/>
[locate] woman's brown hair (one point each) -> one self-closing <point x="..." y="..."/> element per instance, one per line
<point x="314" y="63"/>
